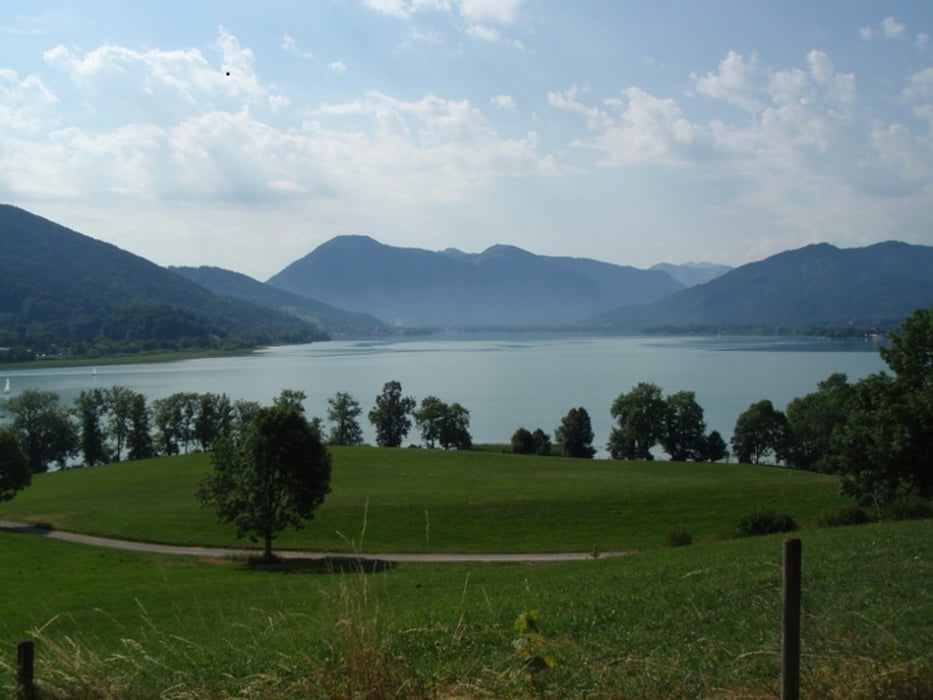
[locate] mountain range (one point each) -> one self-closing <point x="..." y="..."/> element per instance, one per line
<point x="815" y="286"/>
<point x="502" y="286"/>
<point x="61" y="291"/>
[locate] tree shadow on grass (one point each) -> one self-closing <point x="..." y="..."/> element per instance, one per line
<point x="332" y="564"/>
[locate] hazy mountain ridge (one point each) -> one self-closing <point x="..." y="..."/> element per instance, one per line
<point x="336" y="322"/>
<point x="817" y="285"/>
<point x="503" y="285"/>
<point x="61" y="287"/>
<point x="692" y="274"/>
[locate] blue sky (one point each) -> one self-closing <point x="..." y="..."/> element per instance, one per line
<point x="244" y="134"/>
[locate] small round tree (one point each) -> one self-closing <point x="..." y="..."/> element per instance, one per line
<point x="274" y="476"/>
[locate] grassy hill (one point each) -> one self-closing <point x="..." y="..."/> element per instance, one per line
<point x="697" y="621"/>
<point x="427" y="500"/>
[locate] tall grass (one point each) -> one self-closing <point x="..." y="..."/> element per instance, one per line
<point x="699" y="621"/>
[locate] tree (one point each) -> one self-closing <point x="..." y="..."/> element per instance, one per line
<point x="640" y="414"/>
<point x="574" y="436"/>
<point x="683" y="429"/>
<point x="522" y="442"/>
<point x="44" y="428"/>
<point x="274" y="477"/>
<point x="214" y="419"/>
<point x="175" y="419"/>
<point x="90" y="409"/>
<point x="760" y="431"/>
<point x="118" y="401"/>
<point x="542" y="442"/>
<point x="391" y="415"/>
<point x="715" y="448"/>
<point x="343" y="411"/>
<point x="885" y="447"/>
<point x="139" y="439"/>
<point x="447" y="425"/>
<point x="811" y="422"/>
<point x="15" y="474"/>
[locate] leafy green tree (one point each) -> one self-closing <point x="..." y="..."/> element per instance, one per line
<point x="811" y="422"/>
<point x="274" y="477"/>
<point x="90" y="409"/>
<point x="715" y="448"/>
<point x="542" y="442"/>
<point x="525" y="442"/>
<point x="640" y="415"/>
<point x="46" y="433"/>
<point x="166" y="416"/>
<point x="214" y="419"/>
<point x="175" y="418"/>
<point x="243" y="414"/>
<point x="391" y="416"/>
<point x="118" y="401"/>
<point x="139" y="438"/>
<point x="885" y="448"/>
<point x="445" y="424"/>
<point x="683" y="428"/>
<point x="294" y="398"/>
<point x="344" y="412"/>
<point x="15" y="474"/>
<point x="760" y="431"/>
<point x="522" y="442"/>
<point x="574" y="436"/>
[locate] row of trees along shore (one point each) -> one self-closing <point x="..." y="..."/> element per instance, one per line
<point x="876" y="433"/>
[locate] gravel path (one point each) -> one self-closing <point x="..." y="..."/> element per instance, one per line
<point x="438" y="557"/>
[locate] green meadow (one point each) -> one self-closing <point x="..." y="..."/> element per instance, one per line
<point x="412" y="500"/>
<point x="694" y="621"/>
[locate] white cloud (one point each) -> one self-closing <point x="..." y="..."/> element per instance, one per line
<point x="502" y="12"/>
<point x="505" y="103"/>
<point x="289" y="45"/>
<point x="406" y="8"/>
<point x="337" y="67"/>
<point x="866" y="33"/>
<point x="736" y="81"/>
<point x="920" y="85"/>
<point x="922" y="40"/>
<point x="891" y="28"/>
<point x="25" y="104"/>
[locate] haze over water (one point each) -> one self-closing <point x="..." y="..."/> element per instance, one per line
<point x="505" y="381"/>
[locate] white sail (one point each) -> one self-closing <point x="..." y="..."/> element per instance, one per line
<point x="6" y="387"/>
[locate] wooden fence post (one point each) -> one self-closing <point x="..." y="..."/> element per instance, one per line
<point x="25" y="680"/>
<point x="790" y="624"/>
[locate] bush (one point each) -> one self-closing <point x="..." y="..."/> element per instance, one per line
<point x="842" y="517"/>
<point x="678" y="538"/>
<point x="907" y="508"/>
<point x="765" y="522"/>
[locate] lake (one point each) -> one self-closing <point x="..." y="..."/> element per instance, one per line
<point x="505" y="381"/>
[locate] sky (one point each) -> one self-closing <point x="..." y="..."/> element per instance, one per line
<point x="245" y="134"/>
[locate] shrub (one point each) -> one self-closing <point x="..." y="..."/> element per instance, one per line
<point x="678" y="538"/>
<point x="765" y="522"/>
<point x="841" y="517"/>
<point x="907" y="508"/>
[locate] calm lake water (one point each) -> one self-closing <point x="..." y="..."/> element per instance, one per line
<point x="504" y="381"/>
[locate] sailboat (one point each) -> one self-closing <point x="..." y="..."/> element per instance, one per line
<point x="6" y="387"/>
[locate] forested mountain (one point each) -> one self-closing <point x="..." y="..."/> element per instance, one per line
<point x="336" y="322"/>
<point x="502" y="286"/>
<point x="815" y="286"/>
<point x="64" y="292"/>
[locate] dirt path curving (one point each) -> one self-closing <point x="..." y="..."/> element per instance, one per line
<point x="219" y="552"/>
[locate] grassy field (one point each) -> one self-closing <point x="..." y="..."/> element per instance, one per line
<point x="424" y="500"/>
<point x="697" y="621"/>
